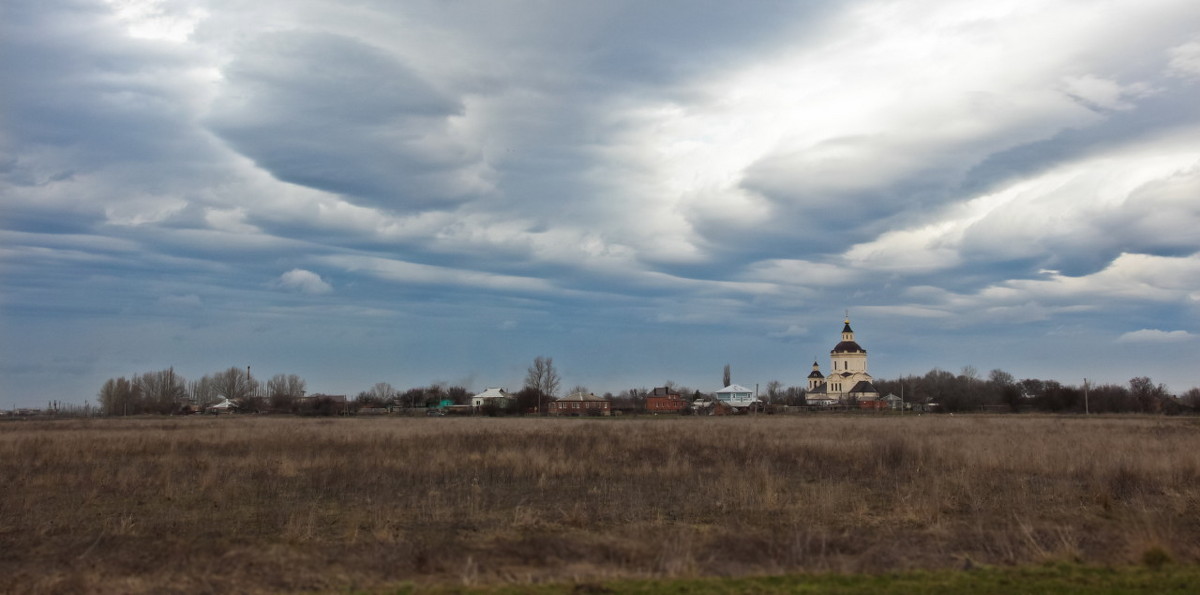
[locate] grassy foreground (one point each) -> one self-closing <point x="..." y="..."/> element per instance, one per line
<point x="261" y="504"/>
<point x="1060" y="579"/>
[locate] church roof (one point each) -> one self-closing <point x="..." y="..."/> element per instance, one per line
<point x="848" y="347"/>
<point x="816" y="374"/>
<point x="864" y="386"/>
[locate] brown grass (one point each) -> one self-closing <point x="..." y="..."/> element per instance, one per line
<point x="278" y="504"/>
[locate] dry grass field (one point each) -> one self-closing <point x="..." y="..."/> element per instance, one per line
<point x="272" y="504"/>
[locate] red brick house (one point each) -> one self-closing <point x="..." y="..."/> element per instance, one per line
<point x="664" y="400"/>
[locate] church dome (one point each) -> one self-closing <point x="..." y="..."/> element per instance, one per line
<point x="848" y="347"/>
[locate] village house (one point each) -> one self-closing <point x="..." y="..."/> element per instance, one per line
<point x="492" y="397"/>
<point x="581" y="404"/>
<point x="665" y="400"/>
<point x="736" y="396"/>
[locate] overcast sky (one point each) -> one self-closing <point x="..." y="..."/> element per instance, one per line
<point x="440" y="191"/>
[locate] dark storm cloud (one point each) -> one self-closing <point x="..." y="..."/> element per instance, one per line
<point x="76" y="84"/>
<point x="339" y="115"/>
<point x="98" y="126"/>
<point x="659" y="43"/>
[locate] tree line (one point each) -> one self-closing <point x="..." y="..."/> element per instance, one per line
<point x="1001" y="391"/>
<point x="166" y="392"/>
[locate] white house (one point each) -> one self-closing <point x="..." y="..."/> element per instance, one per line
<point x="496" y="396"/>
<point x="736" y="396"/>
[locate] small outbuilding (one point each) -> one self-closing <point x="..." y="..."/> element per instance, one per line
<point x="893" y="402"/>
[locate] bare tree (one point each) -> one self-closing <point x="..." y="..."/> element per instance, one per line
<point x="283" y="390"/>
<point x="459" y="394"/>
<point x="383" y="392"/>
<point x="726" y="378"/>
<point x="203" y="392"/>
<point x="969" y="372"/>
<point x="161" y="391"/>
<point x="1147" y="395"/>
<point x="286" y="384"/>
<point x="1001" y="378"/>
<point x="774" y="391"/>
<point x="543" y="378"/>
<point x="1191" y="398"/>
<point x="795" y="395"/>
<point x="1004" y="388"/>
<point x="119" y="396"/>
<point x="237" y="385"/>
<point x="379" y="395"/>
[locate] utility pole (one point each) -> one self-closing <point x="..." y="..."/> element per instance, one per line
<point x="1086" y="407"/>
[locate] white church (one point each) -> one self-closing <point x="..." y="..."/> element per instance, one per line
<point x="848" y="380"/>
